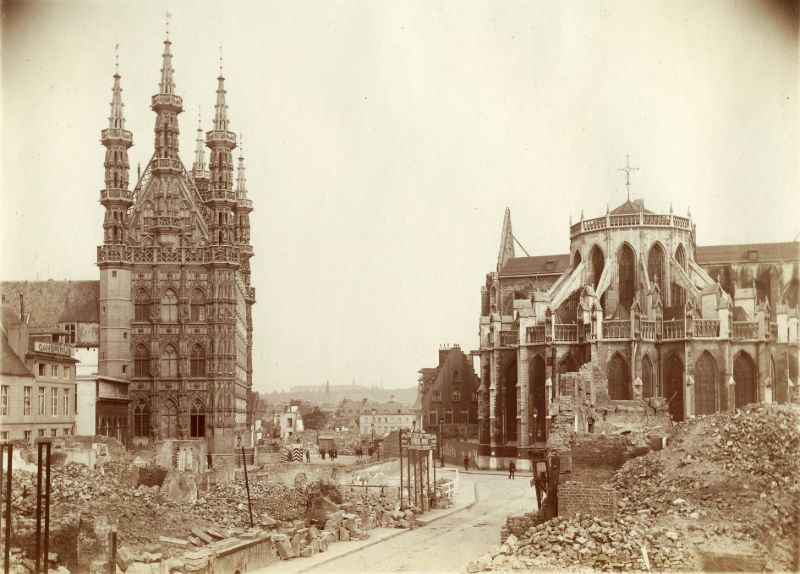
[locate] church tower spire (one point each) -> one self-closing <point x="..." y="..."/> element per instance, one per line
<point x="506" y="242"/>
<point x="221" y="141"/>
<point x="167" y="106"/>
<point x="116" y="139"/>
<point x="243" y="206"/>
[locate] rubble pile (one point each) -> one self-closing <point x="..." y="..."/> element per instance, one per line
<point x="380" y="510"/>
<point x="585" y="542"/>
<point x="733" y="475"/>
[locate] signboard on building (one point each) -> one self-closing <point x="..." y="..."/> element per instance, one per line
<point x="52" y="348"/>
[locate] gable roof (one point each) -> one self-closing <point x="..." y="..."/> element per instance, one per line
<point x="748" y="253"/>
<point x="48" y="303"/>
<point x="10" y="363"/>
<point x="537" y="265"/>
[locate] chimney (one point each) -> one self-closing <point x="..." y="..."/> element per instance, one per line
<point x="22" y="308"/>
<point x="443" y="355"/>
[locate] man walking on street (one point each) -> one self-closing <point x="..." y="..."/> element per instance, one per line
<point x="466" y="462"/>
<point x="512" y="467"/>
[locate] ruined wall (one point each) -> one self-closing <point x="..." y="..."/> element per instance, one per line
<point x="579" y="497"/>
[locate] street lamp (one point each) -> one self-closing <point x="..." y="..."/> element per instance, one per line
<point x="373" y="437"/>
<point x="441" y="452"/>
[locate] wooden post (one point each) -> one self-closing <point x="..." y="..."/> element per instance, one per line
<point x="400" y="445"/>
<point x="247" y="486"/>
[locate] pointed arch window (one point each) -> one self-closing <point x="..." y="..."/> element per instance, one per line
<point x="648" y="384"/>
<point x="197" y="420"/>
<point x="198" y="306"/>
<point x="141" y="306"/>
<point x="655" y="265"/>
<point x="198" y="361"/>
<point x="678" y="294"/>
<point x="141" y="362"/>
<point x="598" y="262"/>
<point x="169" y="420"/>
<point x="169" y="306"/>
<point x="169" y="362"/>
<point x="627" y="277"/>
<point x="141" y="419"/>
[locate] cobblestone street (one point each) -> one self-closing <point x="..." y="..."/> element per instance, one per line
<point x="449" y="544"/>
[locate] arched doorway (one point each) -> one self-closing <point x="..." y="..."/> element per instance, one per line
<point x="648" y="384"/>
<point x="744" y="374"/>
<point x="510" y="431"/>
<point x="673" y="386"/>
<point x="705" y="385"/>
<point x="619" y="379"/>
<point x="627" y="279"/>
<point x="538" y="398"/>
<point x="169" y="420"/>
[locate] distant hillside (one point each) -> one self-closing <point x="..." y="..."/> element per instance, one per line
<point x="318" y="395"/>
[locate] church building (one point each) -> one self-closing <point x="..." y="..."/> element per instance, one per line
<point x="637" y="304"/>
<point x="175" y="295"/>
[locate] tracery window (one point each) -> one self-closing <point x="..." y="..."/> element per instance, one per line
<point x="198" y="306"/>
<point x="141" y="306"/>
<point x="627" y="277"/>
<point x="141" y="420"/>
<point x="197" y="363"/>
<point x="169" y="362"/>
<point x="169" y="306"/>
<point x="141" y="362"/>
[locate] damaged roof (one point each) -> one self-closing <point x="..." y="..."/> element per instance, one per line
<point x="537" y="265"/>
<point x="49" y="303"/>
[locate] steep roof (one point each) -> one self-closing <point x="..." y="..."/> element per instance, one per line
<point x="537" y="265"/>
<point x="10" y="363"/>
<point x="748" y="253"/>
<point x="52" y="302"/>
<point x="630" y="207"/>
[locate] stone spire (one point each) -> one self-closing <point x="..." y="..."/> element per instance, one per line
<point x="167" y="84"/>
<point x="506" y="242"/>
<point x="199" y="164"/>
<point x="221" y="108"/>
<point x="167" y="106"/>
<point x="221" y="198"/>
<point x="116" y="139"/>
<point x="116" y="121"/>
<point x="241" y="179"/>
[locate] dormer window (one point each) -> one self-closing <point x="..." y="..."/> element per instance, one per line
<point x="752" y="255"/>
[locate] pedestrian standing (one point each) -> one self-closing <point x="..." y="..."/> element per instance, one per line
<point x="512" y="468"/>
<point x="466" y="462"/>
<point x="322" y="453"/>
<point x="308" y="456"/>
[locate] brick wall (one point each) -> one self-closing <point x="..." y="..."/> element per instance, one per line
<point x="152" y="475"/>
<point x="595" y="500"/>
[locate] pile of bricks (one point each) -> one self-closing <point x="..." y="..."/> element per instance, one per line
<point x="627" y="543"/>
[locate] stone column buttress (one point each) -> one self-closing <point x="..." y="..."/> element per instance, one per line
<point x="523" y="379"/>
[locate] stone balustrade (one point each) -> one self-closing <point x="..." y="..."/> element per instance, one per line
<point x="629" y="220"/>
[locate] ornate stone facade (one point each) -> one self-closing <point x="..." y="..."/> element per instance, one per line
<point x="175" y="293"/>
<point x="652" y="314"/>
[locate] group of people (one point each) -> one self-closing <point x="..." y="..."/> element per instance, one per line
<point x="360" y="452"/>
<point x="332" y="454"/>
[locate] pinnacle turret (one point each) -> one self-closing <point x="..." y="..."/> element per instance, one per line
<point x="115" y="197"/>
<point x="167" y="84"/>
<point x="221" y="108"/>
<point x="506" y="242"/>
<point x="241" y="179"/>
<point x="199" y="150"/>
<point x="167" y="106"/>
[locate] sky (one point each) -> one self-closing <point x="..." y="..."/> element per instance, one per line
<point x="384" y="140"/>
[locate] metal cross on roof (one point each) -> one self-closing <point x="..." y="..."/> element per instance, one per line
<point x="628" y="169"/>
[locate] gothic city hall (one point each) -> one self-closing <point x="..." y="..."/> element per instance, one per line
<point x="636" y="310"/>
<point x="175" y="295"/>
